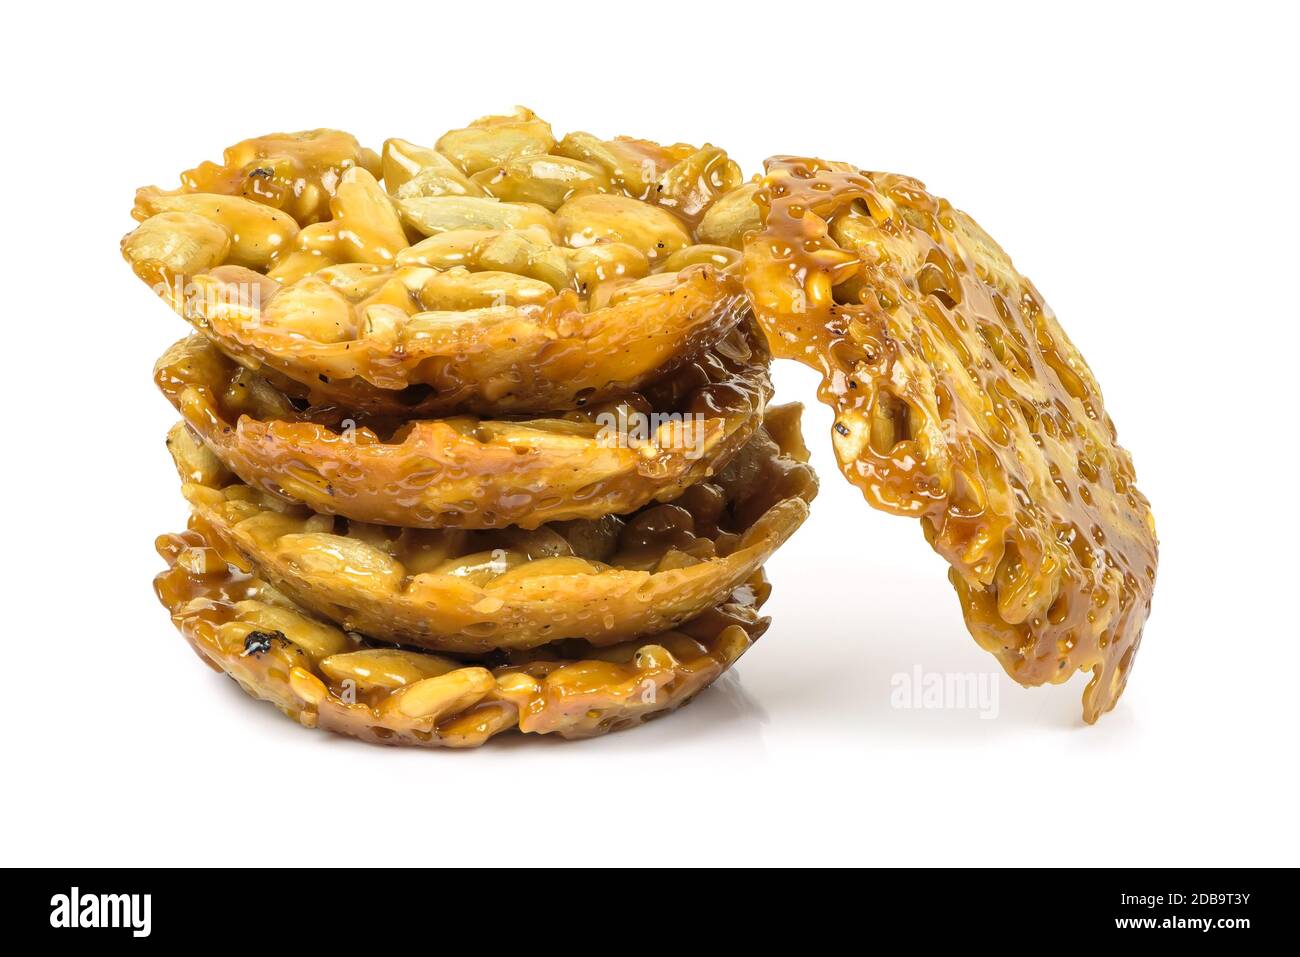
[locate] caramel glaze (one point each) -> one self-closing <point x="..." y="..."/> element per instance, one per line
<point x="607" y="580"/>
<point x="960" y="401"/>
<point x="295" y="172"/>
<point x="240" y="625"/>
<point x="527" y="360"/>
<point x="623" y="307"/>
<point x="466" y="472"/>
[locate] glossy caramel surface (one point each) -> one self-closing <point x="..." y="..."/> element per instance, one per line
<point x="293" y="172"/>
<point x="606" y="580"/>
<point x="467" y="472"/>
<point x="502" y="271"/>
<point x="960" y="401"/>
<point x="325" y="678"/>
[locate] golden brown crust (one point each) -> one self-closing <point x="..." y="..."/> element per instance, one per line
<point x="959" y="400"/>
<point x="507" y="305"/>
<point x="606" y="581"/>
<point x="324" y="678"/>
<point x="471" y="473"/>
<point x="491" y="360"/>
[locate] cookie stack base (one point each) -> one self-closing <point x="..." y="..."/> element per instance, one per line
<point x="323" y="677"/>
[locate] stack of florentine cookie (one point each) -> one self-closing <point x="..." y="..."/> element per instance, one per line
<point x="475" y="436"/>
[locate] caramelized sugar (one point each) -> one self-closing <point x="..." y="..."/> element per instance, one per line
<point x="467" y="472"/>
<point x="295" y="255"/>
<point x="323" y="677"/>
<point x="607" y="580"/>
<point x="295" y="172"/>
<point x="960" y="401"/>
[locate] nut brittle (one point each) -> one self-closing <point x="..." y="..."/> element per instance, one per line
<point x="467" y="472"/>
<point x="960" y="401"/>
<point x="606" y="580"/>
<point x="544" y="279"/>
<point x="326" y="678"/>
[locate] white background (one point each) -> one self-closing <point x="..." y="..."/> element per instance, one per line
<point x="1138" y="163"/>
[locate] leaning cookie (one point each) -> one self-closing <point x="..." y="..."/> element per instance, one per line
<point x="323" y="677"/>
<point x="959" y="400"/>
